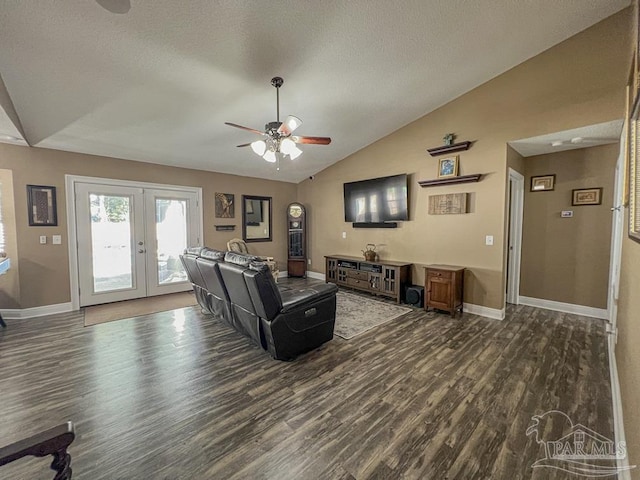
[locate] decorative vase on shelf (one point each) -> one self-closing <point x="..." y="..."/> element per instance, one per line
<point x="370" y="253"/>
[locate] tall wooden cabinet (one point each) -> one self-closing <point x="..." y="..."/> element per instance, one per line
<point x="296" y="240"/>
<point x="444" y="288"/>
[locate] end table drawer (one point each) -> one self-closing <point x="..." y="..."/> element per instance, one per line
<point x="439" y="274"/>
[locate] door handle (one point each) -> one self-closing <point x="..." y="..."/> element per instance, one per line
<point x="141" y="251"/>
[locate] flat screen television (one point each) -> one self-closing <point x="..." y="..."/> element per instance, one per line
<point x="376" y="200"/>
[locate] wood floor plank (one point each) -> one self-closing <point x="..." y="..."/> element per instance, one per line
<point x="180" y="395"/>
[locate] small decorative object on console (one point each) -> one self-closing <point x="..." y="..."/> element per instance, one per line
<point x="370" y="253"/>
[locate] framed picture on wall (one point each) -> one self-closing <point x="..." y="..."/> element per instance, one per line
<point x="448" y="167"/>
<point x="543" y="183"/>
<point x="225" y="206"/>
<point x="41" y="203"/>
<point x="586" y="196"/>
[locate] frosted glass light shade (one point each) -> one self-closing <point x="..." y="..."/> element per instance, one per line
<point x="259" y="146"/>
<point x="295" y="153"/>
<point x="291" y="123"/>
<point x="288" y="147"/>
<point x="269" y="156"/>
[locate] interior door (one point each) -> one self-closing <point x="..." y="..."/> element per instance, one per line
<point x="111" y="241"/>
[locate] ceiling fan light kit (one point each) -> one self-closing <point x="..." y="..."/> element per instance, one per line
<point x="279" y="142"/>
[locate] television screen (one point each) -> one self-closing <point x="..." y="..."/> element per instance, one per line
<point x="376" y="200"/>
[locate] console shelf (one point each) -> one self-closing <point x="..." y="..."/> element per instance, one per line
<point x="450" y="180"/>
<point x="383" y="277"/>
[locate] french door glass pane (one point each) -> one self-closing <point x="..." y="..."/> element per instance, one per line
<point x="111" y="242"/>
<point x="171" y="232"/>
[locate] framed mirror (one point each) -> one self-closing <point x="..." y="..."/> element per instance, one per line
<point x="256" y="218"/>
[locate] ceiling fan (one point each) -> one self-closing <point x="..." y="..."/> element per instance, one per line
<point x="278" y="140"/>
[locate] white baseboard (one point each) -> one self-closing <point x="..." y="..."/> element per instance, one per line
<point x="17" y="314"/>
<point x="616" y="397"/>
<point x="484" y="311"/>
<point x="316" y="275"/>
<point x="282" y="274"/>
<point x="564" y="307"/>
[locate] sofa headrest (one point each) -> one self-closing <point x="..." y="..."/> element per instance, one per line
<point x="241" y="259"/>
<point x="212" y="254"/>
<point x="193" y="250"/>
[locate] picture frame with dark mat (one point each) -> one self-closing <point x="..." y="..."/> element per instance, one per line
<point x="42" y="207"/>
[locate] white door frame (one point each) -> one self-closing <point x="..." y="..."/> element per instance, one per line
<point x="514" y="246"/>
<point x="72" y="232"/>
<point x="617" y="227"/>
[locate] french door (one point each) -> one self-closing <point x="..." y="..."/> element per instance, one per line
<point x="129" y="240"/>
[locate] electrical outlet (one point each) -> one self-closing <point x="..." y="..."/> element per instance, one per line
<point x="344" y="234"/>
<point x="43" y="239"/>
<point x="308" y="261"/>
<point x="488" y="240"/>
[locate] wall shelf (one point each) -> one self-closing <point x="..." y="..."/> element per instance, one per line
<point x="450" y="180"/>
<point x="456" y="147"/>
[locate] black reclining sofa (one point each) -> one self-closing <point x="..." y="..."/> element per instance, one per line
<point x="240" y="290"/>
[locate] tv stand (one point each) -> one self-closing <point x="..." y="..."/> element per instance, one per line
<point x="383" y="277"/>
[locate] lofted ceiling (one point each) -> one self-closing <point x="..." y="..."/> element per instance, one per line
<point x="156" y="82"/>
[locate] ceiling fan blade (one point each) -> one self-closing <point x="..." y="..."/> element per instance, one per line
<point x="312" y="140"/>
<point x="243" y="145"/>
<point x="115" y="6"/>
<point x="244" y="128"/>
<point x="289" y="125"/>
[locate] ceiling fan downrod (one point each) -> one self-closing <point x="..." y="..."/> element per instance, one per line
<point x="277" y="82"/>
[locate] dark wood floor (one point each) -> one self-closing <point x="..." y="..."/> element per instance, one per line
<point x="178" y="395"/>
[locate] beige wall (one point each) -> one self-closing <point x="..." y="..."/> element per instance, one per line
<point x="578" y="82"/>
<point x="9" y="282"/>
<point x="44" y="269"/>
<point x="567" y="259"/>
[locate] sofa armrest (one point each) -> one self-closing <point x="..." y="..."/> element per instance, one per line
<point x="300" y="298"/>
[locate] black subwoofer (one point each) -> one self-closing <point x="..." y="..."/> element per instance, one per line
<point x="414" y="295"/>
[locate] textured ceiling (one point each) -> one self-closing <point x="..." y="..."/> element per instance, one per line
<point x="583" y="137"/>
<point x="157" y="83"/>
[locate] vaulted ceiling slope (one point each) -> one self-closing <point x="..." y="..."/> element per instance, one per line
<point x="157" y="82"/>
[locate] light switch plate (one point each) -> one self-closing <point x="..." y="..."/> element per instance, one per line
<point x="488" y="240"/>
<point x="43" y="239"/>
<point x="56" y="239"/>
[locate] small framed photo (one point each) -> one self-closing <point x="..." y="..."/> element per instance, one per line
<point x="41" y="202"/>
<point x="586" y="196"/>
<point x="448" y="167"/>
<point x="543" y="183"/>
